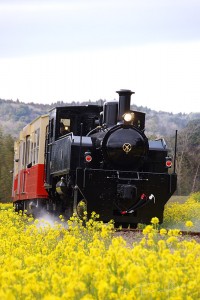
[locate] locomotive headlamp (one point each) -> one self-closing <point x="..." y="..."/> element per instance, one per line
<point x="128" y="117"/>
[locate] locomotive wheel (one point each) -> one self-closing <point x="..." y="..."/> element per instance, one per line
<point x="81" y="209"/>
<point x="79" y="204"/>
<point x="18" y="207"/>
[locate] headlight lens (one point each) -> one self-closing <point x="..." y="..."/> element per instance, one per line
<point x="128" y="117"/>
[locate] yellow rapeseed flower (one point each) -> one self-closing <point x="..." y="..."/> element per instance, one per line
<point x="163" y="231"/>
<point x="44" y="261"/>
<point x="154" y="220"/>
<point x="189" y="224"/>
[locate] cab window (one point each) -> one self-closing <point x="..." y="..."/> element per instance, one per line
<point x="64" y="127"/>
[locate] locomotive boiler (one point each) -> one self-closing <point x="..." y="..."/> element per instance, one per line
<point x="97" y="159"/>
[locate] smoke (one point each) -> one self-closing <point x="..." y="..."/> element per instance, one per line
<point x="45" y="219"/>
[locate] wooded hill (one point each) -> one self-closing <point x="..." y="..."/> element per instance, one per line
<point x="14" y="115"/>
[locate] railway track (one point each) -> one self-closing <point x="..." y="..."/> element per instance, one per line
<point x="139" y="231"/>
<point x="132" y="236"/>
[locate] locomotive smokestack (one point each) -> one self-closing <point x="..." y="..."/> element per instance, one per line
<point x="124" y="102"/>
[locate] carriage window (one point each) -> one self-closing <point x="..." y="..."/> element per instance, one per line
<point x="22" y="154"/>
<point x="35" y="146"/>
<point x="27" y="150"/>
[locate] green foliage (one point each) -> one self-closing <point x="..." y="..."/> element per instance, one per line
<point x="6" y="165"/>
<point x="196" y="196"/>
<point x="188" y="158"/>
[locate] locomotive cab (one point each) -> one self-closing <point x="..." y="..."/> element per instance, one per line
<point x="63" y="148"/>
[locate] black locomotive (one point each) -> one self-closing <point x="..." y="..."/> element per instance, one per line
<point x="102" y="161"/>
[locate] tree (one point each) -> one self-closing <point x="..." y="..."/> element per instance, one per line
<point x="6" y="165"/>
<point x="188" y="158"/>
<point x="194" y="153"/>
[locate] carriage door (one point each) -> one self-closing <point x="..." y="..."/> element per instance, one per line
<point x="20" y="186"/>
<point x="26" y="161"/>
<point x="23" y="161"/>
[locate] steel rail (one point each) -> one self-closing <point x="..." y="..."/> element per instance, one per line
<point x="181" y="232"/>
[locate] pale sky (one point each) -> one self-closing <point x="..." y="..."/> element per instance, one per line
<point x="76" y="50"/>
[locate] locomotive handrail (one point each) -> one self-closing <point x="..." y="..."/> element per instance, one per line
<point x="133" y="179"/>
<point x="126" y="178"/>
<point x="123" y="178"/>
<point x="93" y="130"/>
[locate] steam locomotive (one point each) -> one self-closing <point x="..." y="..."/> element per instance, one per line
<point x="94" y="158"/>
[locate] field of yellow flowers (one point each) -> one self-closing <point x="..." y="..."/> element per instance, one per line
<point x="43" y="261"/>
<point x="177" y="214"/>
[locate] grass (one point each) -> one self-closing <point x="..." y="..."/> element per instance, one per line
<point x="179" y="199"/>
